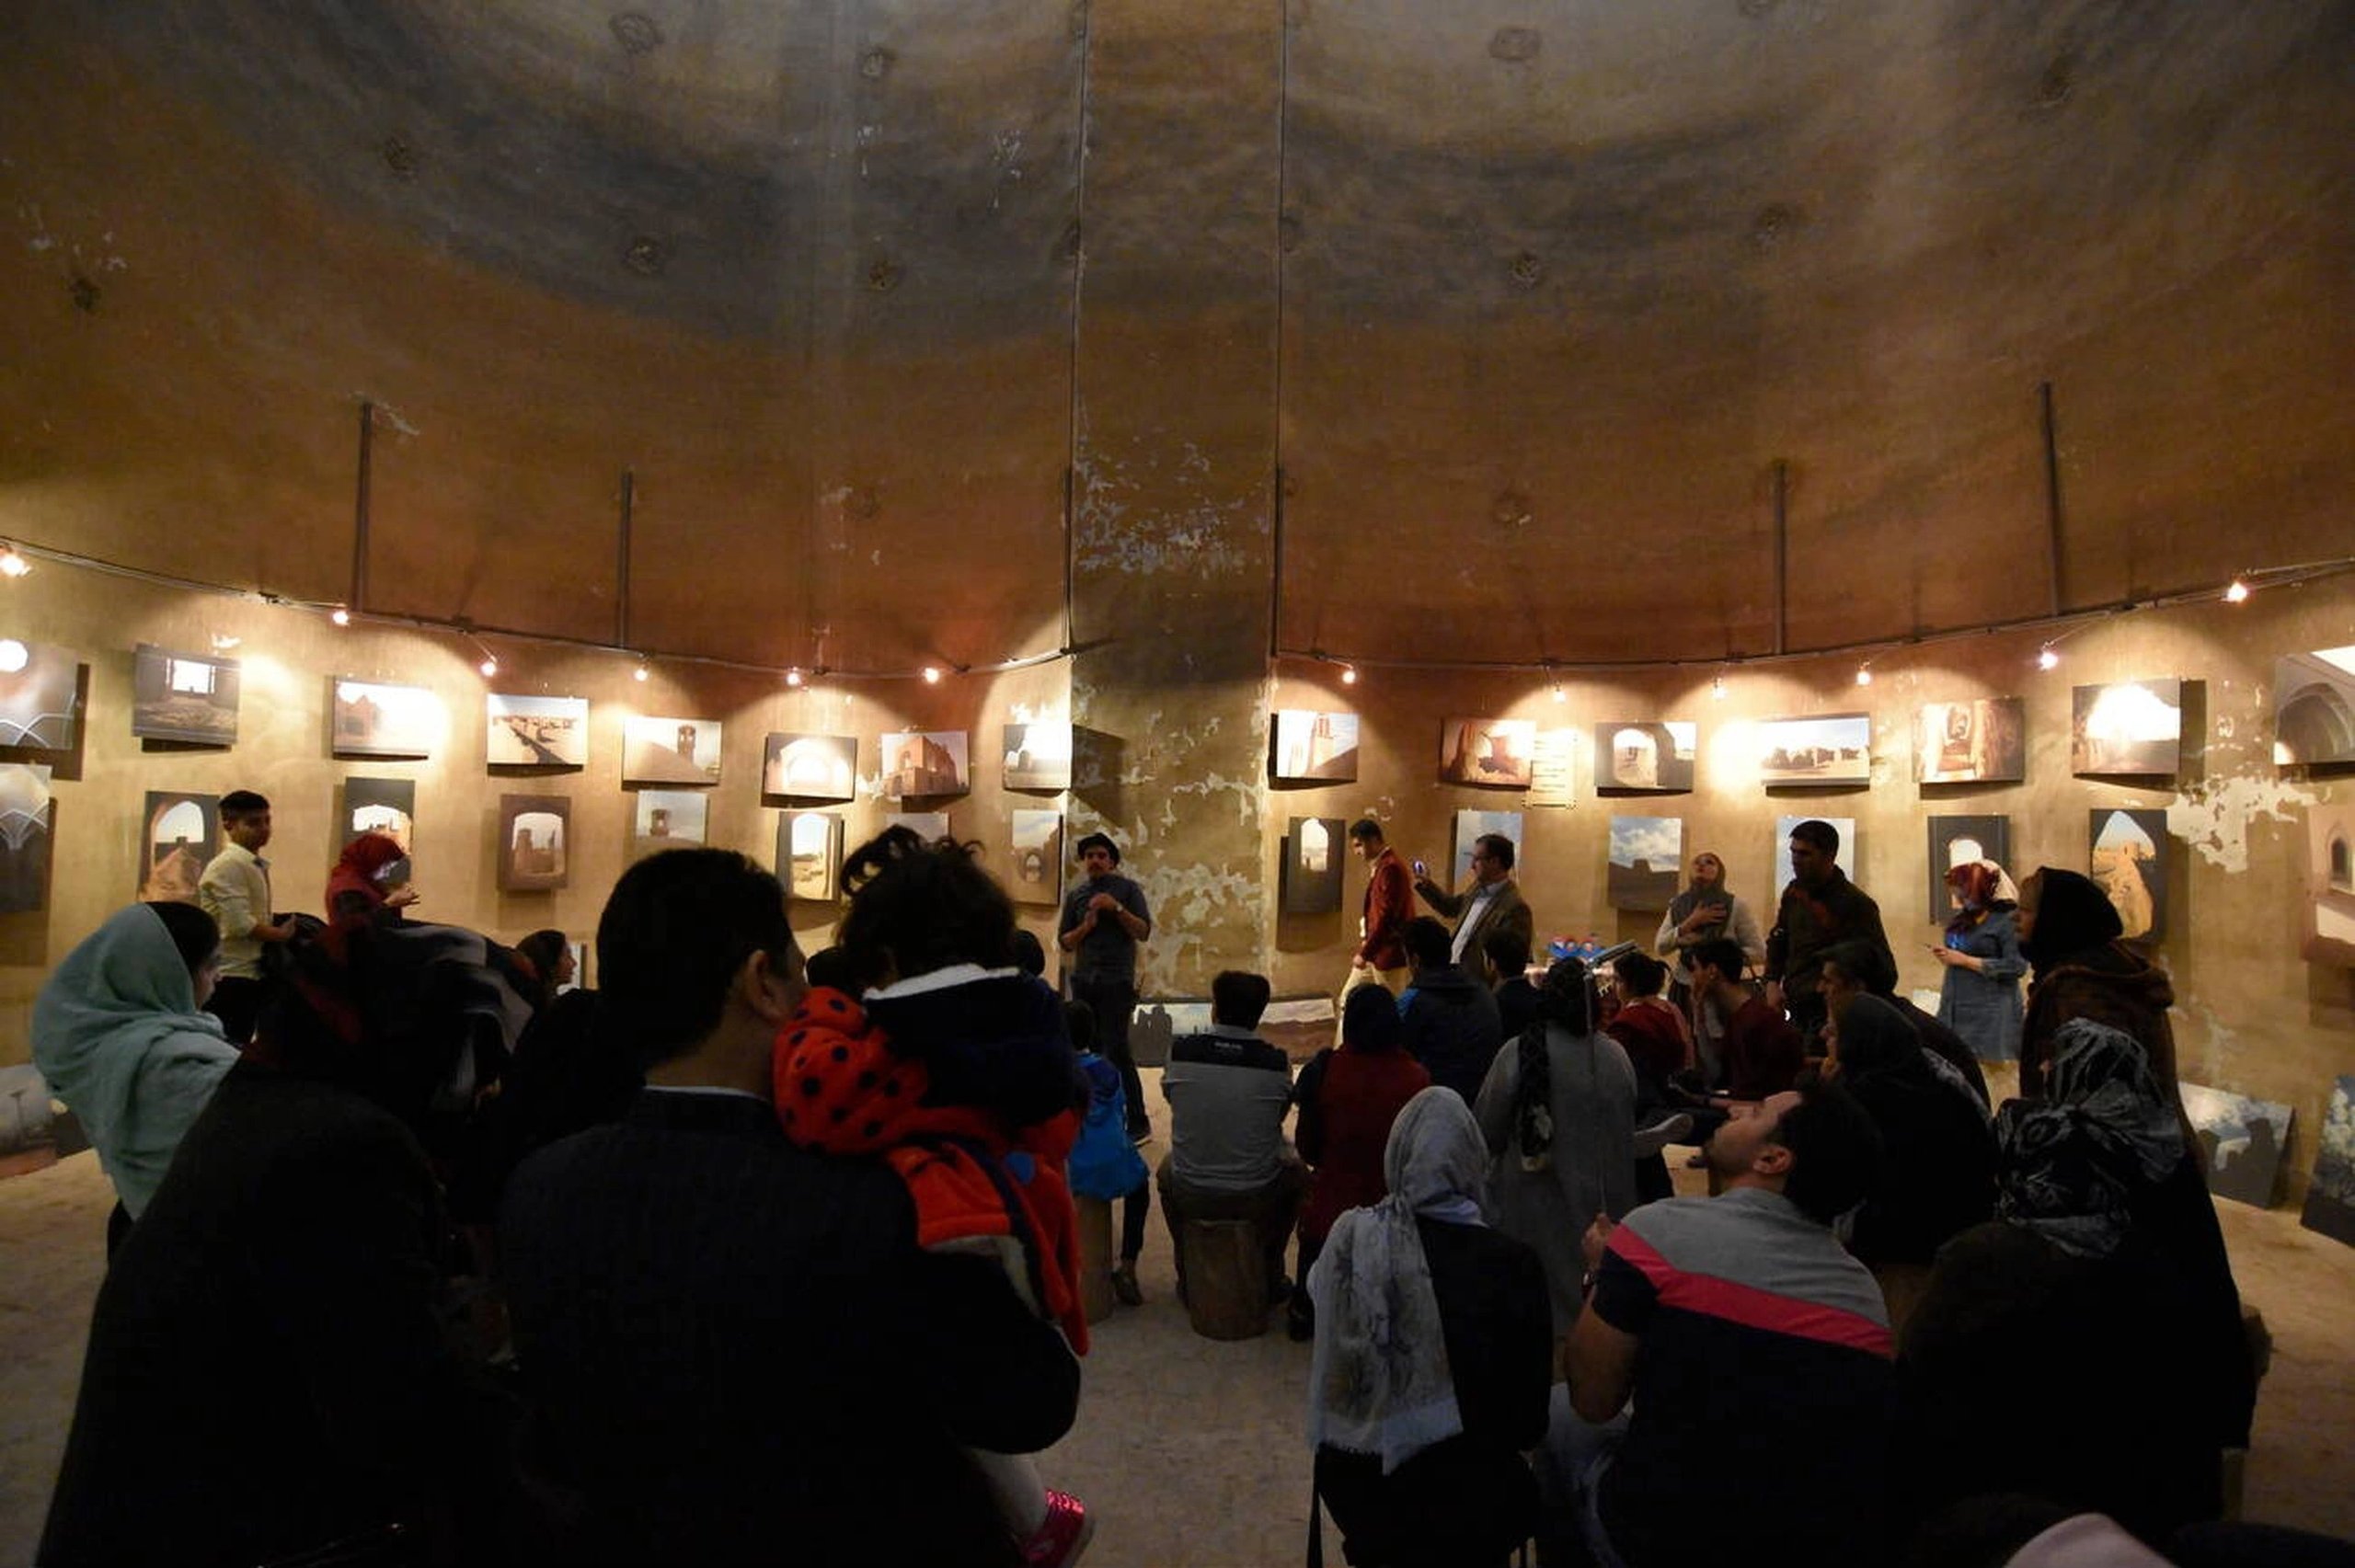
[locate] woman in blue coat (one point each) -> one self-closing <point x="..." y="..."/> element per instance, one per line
<point x="1980" y="998"/>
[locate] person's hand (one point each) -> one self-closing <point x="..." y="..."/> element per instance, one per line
<point x="1693" y="922"/>
<point x="1103" y="903"/>
<point x="402" y="897"/>
<point x="1597" y="1237"/>
<point x="1953" y="959"/>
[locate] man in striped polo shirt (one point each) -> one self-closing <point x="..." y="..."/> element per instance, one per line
<point x="1757" y="1354"/>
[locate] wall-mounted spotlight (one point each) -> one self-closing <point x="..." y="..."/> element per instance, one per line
<point x="793" y="676"/>
<point x="1718" y="688"/>
<point x="2047" y="658"/>
<point x="489" y="666"/>
<point x="1864" y="673"/>
<point x="339" y="615"/>
<point x="14" y="655"/>
<point x="932" y="675"/>
<point x="13" y="564"/>
<point x="641" y="672"/>
<point x="1560" y="695"/>
<point x="2236" y="593"/>
<point x="1348" y="675"/>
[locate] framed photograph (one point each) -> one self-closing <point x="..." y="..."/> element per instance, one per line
<point x="2314" y="709"/>
<point x="1845" y="860"/>
<point x="535" y="732"/>
<point x="1313" y="850"/>
<point x="536" y="842"/>
<point x="1954" y="839"/>
<point x="179" y="835"/>
<point x="2129" y="865"/>
<point x="38" y="685"/>
<point x="2241" y="1142"/>
<point x="919" y="763"/>
<point x="1647" y="860"/>
<point x="2330" y="885"/>
<point x="670" y="751"/>
<point x="929" y="826"/>
<point x="669" y="819"/>
<point x="1313" y="747"/>
<point x="1492" y="751"/>
<point x="2127" y="730"/>
<point x="1037" y="867"/>
<point x="372" y="720"/>
<point x="810" y="854"/>
<point x="1038" y="756"/>
<point x="188" y="697"/>
<point x="380" y="806"/>
<point x="2331" y="1196"/>
<point x="1643" y="755"/>
<point x="1834" y="749"/>
<point x="1469" y="827"/>
<point x="1983" y="740"/>
<point x="25" y="816"/>
<point x="809" y="767"/>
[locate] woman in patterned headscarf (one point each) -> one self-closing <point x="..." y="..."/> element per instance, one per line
<point x="2082" y="1346"/>
<point x="1434" y="1357"/>
<point x="1980" y="998"/>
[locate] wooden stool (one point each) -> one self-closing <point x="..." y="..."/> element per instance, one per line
<point x="1227" y="1278"/>
<point x="1094" y="1258"/>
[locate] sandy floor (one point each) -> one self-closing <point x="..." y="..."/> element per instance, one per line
<point x="1188" y="1449"/>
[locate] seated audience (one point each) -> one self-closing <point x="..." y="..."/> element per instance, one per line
<point x="1348" y="1095"/>
<point x="267" y="1376"/>
<point x="1453" y="1025"/>
<point x="1757" y="1354"/>
<point x="547" y="957"/>
<point x="1763" y="1054"/>
<point x="1228" y="1092"/>
<point x="2066" y="1350"/>
<point x="1105" y="1163"/>
<point x="1431" y="1368"/>
<point x="1507" y="953"/>
<point x="1938" y="1175"/>
<point x="1558" y="1113"/>
<point x="1859" y="969"/>
<point x="1980" y="997"/>
<point x="953" y="1067"/>
<point x="119" y="1033"/>
<point x="1658" y="1038"/>
<point x="737" y="1347"/>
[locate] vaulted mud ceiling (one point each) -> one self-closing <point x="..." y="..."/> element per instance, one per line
<point x="1526" y="301"/>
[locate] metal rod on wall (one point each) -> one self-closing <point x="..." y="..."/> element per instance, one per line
<point x="621" y="564"/>
<point x="1782" y="553"/>
<point x="359" y="508"/>
<point x="2052" y="495"/>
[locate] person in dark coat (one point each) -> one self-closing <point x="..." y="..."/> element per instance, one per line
<point x="2069" y="1350"/>
<point x="1937" y="1176"/>
<point x="267" y="1372"/>
<point x="735" y="1348"/>
<point x="1858" y="968"/>
<point x="1508" y="955"/>
<point x="2071" y="933"/>
<point x="1434" y="1358"/>
<point x="1452" y="1025"/>
<point x="1348" y="1096"/>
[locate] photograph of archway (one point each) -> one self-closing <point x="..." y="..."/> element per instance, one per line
<point x="536" y="842"/>
<point x="1492" y="751"/>
<point x="2130" y="865"/>
<point x="2127" y="730"/>
<point x="1644" y="756"/>
<point x="179" y="835"/>
<point x="2314" y="708"/>
<point x="2331" y="903"/>
<point x="1983" y="740"/>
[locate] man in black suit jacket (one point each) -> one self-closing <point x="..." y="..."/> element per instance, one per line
<point x="735" y="1348"/>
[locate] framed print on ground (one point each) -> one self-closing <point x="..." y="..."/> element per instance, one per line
<point x="2241" y="1142"/>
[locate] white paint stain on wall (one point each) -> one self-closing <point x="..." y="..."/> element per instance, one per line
<point x="2213" y="816"/>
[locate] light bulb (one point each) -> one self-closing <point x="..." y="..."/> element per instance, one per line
<point x="1560" y="695"/>
<point x="339" y="615"/>
<point x="1864" y="675"/>
<point x="14" y="655"/>
<point x="2046" y="659"/>
<point x="639" y="673"/>
<point x="793" y="677"/>
<point x="1718" y="688"/>
<point x="1348" y="675"/>
<point x="12" y="564"/>
<point x="2236" y="594"/>
<point x="932" y="675"/>
<point x="489" y="666"/>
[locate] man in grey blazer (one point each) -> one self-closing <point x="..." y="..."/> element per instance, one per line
<point x="1492" y="903"/>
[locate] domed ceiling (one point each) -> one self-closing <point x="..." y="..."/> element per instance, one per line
<point x="1541" y="309"/>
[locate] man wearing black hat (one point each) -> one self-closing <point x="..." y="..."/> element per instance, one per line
<point x="1104" y="919"/>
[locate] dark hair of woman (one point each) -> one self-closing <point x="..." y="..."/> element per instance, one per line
<point x="1370" y="1021"/>
<point x="192" y="931"/>
<point x="916" y="907"/>
<point x="1567" y="997"/>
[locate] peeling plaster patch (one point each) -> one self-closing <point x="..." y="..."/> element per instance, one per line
<point x="1195" y="540"/>
<point x="876" y="559"/>
<point x="2213" y="817"/>
<point x="1188" y="899"/>
<point x="1247" y="795"/>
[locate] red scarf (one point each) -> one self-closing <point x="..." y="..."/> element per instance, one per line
<point x="841" y="1090"/>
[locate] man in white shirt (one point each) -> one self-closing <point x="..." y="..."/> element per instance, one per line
<point x="1493" y="902"/>
<point x="235" y="892"/>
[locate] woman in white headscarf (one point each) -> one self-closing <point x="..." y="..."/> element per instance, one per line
<point x="1434" y="1357"/>
<point x="121" y="1035"/>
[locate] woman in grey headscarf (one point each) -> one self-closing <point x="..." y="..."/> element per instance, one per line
<point x="1434" y="1358"/>
<point x="1558" y="1110"/>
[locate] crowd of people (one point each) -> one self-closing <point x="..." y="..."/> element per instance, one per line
<point x="424" y="1256"/>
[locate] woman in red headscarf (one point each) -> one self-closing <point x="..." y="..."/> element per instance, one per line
<point x="1980" y="998"/>
<point x="370" y="878"/>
